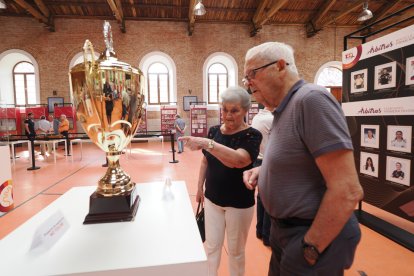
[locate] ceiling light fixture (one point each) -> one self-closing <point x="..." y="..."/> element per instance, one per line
<point x="2" y="4"/>
<point x="199" y="9"/>
<point x="365" y="14"/>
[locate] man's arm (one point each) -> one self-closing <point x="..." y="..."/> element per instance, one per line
<point x="343" y="193"/>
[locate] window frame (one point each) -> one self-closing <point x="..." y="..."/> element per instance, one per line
<point x="159" y="102"/>
<point x="218" y="81"/>
<point x="25" y="74"/>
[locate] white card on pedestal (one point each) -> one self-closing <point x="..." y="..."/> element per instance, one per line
<point x="50" y="231"/>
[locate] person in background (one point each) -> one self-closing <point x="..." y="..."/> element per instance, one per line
<point x="229" y="149"/>
<point x="43" y="129"/>
<point x="369" y="165"/>
<point x="29" y="126"/>
<point x="125" y="103"/>
<point x="180" y="127"/>
<point x="398" y="173"/>
<point x="399" y="141"/>
<point x="54" y="125"/>
<point x="263" y="123"/>
<point x="64" y="130"/>
<point x="109" y="107"/>
<point x="310" y="199"/>
<point x="370" y="138"/>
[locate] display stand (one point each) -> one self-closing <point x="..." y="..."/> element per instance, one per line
<point x="221" y="116"/>
<point x="253" y="110"/>
<point x="198" y="120"/>
<point x="10" y="121"/>
<point x="162" y="240"/>
<point x="6" y="183"/>
<point x="168" y="113"/>
<point x="378" y="96"/>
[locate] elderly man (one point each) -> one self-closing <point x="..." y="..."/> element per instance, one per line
<point x="64" y="130"/>
<point x="308" y="181"/>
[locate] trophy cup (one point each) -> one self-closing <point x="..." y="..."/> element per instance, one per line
<point x="108" y="97"/>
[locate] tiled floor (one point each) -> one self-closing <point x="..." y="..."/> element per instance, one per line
<point x="33" y="190"/>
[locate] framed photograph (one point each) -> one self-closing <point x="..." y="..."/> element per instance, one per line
<point x="370" y="136"/>
<point x="399" y="138"/>
<point x="359" y="81"/>
<point x="385" y="75"/>
<point x="369" y="164"/>
<point x="54" y="101"/>
<point x="187" y="100"/>
<point x="398" y="170"/>
<point x="409" y="71"/>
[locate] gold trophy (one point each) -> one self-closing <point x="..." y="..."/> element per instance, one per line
<point x="108" y="97"/>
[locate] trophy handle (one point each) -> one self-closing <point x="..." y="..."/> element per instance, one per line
<point x="88" y="49"/>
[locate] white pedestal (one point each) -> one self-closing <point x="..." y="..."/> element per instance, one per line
<point x="162" y="240"/>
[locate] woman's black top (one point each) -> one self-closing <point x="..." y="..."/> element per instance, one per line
<point x="224" y="185"/>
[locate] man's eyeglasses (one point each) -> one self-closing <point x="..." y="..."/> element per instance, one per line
<point x="252" y="74"/>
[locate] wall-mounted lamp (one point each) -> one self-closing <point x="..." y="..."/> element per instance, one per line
<point x="365" y="14"/>
<point x="199" y="9"/>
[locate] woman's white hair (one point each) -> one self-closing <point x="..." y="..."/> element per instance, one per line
<point x="272" y="51"/>
<point x="236" y="94"/>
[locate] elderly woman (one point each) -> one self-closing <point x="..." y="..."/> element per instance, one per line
<point x="229" y="149"/>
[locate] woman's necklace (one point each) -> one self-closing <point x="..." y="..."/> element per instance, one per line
<point x="227" y="131"/>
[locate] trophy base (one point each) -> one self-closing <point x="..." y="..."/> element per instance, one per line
<point x="112" y="209"/>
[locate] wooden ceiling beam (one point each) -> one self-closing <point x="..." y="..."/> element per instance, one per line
<point x="116" y="8"/>
<point x="191" y="17"/>
<point x="314" y="24"/>
<point x="36" y="14"/>
<point x="42" y="7"/>
<point x="345" y="10"/>
<point x="261" y="16"/>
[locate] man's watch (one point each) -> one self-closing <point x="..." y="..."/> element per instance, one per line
<point x="310" y="252"/>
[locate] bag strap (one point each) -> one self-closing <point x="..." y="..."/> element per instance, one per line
<point x="198" y="208"/>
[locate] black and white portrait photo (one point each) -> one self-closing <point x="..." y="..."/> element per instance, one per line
<point x="359" y="81"/>
<point x="369" y="164"/>
<point x="399" y="138"/>
<point x="385" y="75"/>
<point x="398" y="170"/>
<point x="409" y="71"/>
<point x="370" y="136"/>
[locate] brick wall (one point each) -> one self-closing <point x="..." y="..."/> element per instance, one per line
<point x="54" y="50"/>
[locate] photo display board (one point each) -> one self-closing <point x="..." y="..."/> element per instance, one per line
<point x="198" y="118"/>
<point x="168" y="119"/>
<point x="378" y="101"/>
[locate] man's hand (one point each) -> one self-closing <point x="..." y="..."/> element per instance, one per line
<point x="250" y="178"/>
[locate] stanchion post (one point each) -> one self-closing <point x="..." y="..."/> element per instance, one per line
<point x="172" y="148"/>
<point x="33" y="167"/>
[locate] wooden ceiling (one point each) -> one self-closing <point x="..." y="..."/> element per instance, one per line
<point x="314" y="15"/>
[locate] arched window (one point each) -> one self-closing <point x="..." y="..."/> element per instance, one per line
<point x="158" y="84"/>
<point x="217" y="81"/>
<point x="330" y="76"/>
<point x="219" y="72"/>
<point x="24" y="83"/>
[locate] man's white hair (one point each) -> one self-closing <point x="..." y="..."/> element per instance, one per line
<point x="272" y="51"/>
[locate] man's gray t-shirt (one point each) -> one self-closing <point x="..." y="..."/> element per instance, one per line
<point x="308" y="123"/>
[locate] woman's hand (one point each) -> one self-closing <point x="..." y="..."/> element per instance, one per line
<point x="200" y="196"/>
<point x="194" y="143"/>
<point x="250" y="178"/>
